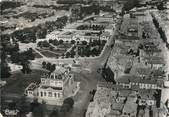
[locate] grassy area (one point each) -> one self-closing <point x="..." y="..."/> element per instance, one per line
<point x="55" y="52"/>
<point x="58" y="51"/>
<point x="17" y="83"/>
<point x="37" y="55"/>
<point x="49" y="54"/>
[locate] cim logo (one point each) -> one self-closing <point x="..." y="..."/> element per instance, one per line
<point x="11" y="112"/>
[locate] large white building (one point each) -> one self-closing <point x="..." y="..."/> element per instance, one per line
<point x="54" y="88"/>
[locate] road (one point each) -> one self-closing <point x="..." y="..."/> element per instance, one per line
<point x="82" y="98"/>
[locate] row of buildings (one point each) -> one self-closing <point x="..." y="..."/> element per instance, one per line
<point x="94" y="28"/>
<point x="139" y="64"/>
<point x="112" y="100"/>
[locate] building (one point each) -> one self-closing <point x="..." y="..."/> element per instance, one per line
<point x="110" y="100"/>
<point x="76" y="12"/>
<point x="129" y="110"/>
<point x="54" y="88"/>
<point x="135" y="82"/>
<point x="146" y="97"/>
<point x="154" y="62"/>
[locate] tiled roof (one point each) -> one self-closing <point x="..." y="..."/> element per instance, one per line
<point x="136" y="79"/>
<point x="143" y="71"/>
<point x="130" y="108"/>
<point x="147" y="94"/>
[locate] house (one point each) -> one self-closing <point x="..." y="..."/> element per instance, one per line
<point x="154" y="62"/>
<point x="143" y="72"/>
<point x="129" y="110"/>
<point x="146" y="97"/>
<point x="116" y="109"/>
<point x="54" y="88"/>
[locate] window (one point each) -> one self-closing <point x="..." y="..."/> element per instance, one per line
<point x="55" y="94"/>
<point x="37" y="93"/>
<point x="44" y="93"/>
<point x="52" y="76"/>
<point x="49" y="94"/>
<point x="58" y="95"/>
<point x="41" y="93"/>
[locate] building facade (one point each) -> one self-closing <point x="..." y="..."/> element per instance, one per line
<point x="54" y="88"/>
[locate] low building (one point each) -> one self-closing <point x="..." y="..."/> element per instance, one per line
<point x="129" y="110"/>
<point x="146" y="97"/>
<point x="54" y="88"/>
<point x="130" y="81"/>
<point x="154" y="62"/>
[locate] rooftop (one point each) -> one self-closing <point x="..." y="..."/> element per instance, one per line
<point x="136" y="79"/>
<point x="130" y="108"/>
<point x="147" y="94"/>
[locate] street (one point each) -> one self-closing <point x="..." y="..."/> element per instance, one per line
<point x="82" y="98"/>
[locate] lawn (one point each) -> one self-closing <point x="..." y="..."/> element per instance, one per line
<point x="49" y="54"/>
<point x="58" y="51"/>
<point x="37" y="55"/>
<point x="17" y="83"/>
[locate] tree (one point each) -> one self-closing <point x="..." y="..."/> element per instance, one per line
<point x="52" y="68"/>
<point x="15" y="57"/>
<point x="30" y="54"/>
<point x="25" y="67"/>
<point x="48" y="66"/>
<point x="37" y="109"/>
<point x="23" y="105"/>
<point x="41" y="33"/>
<point x="160" y="6"/>
<point x="39" y="44"/>
<point x="44" y="107"/>
<point x="73" y="41"/>
<point x="51" y="48"/>
<point x="95" y="52"/>
<point x="51" y="41"/>
<point x="65" y="108"/>
<point x="129" y="5"/>
<point x="16" y="47"/>
<point x="69" y="101"/>
<point x="72" y="53"/>
<point x="5" y="70"/>
<point x="84" y="42"/>
<point x="104" y="42"/>
<point x="55" y="42"/>
<point x="43" y="64"/>
<point x="45" y="44"/>
<point x="54" y="113"/>
<point x="61" y="41"/>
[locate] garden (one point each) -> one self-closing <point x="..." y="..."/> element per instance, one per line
<point x="63" y="49"/>
<point x="53" y="48"/>
<point x="86" y="49"/>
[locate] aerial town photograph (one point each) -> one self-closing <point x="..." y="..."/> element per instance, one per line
<point x="84" y="58"/>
